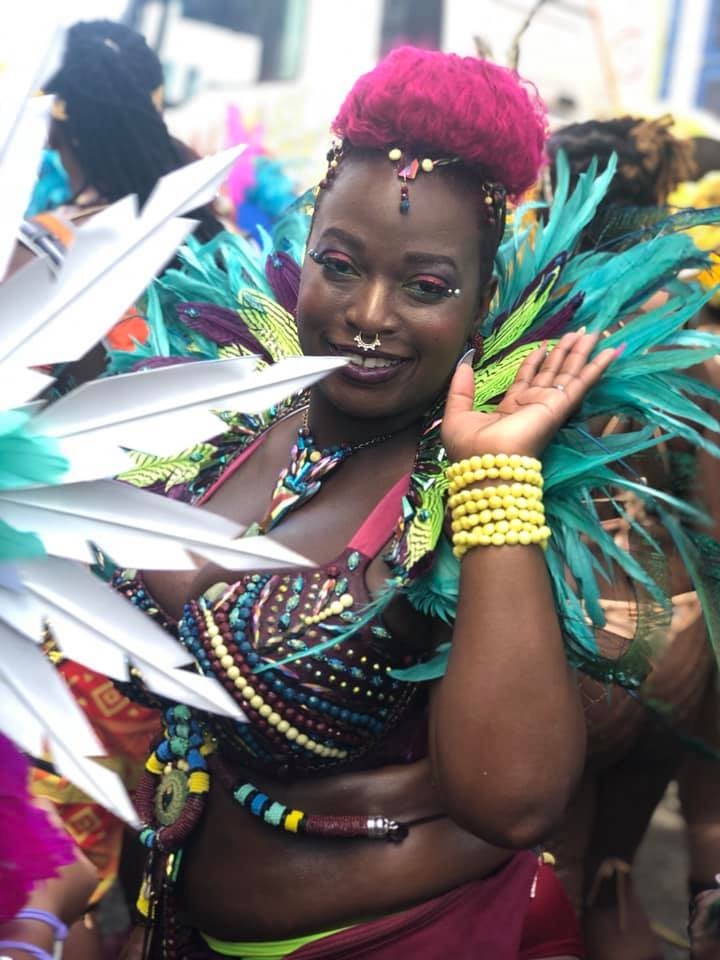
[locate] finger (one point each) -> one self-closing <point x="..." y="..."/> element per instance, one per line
<point x="528" y="369"/>
<point x="461" y="392"/>
<point x="569" y="355"/>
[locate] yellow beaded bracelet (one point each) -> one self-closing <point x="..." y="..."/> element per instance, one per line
<point x="495" y="496"/>
<point x="507" y="513"/>
<point x="500" y="466"/>
<point x="489" y="535"/>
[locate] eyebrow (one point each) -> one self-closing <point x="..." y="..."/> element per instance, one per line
<point x="414" y="257"/>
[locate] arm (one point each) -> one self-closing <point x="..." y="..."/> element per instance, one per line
<point x="507" y="732"/>
<point x="65" y="897"/>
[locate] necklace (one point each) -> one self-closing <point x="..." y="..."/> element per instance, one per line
<point x="308" y="467"/>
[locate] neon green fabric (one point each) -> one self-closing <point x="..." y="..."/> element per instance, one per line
<point x="264" y="949"/>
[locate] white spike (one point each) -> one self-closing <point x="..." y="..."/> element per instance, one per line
<point x="170" y="421"/>
<point x="133" y="526"/>
<point x="96" y="627"/>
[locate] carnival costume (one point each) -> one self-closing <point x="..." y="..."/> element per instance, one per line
<point x="55" y="501"/>
<point x="307" y="655"/>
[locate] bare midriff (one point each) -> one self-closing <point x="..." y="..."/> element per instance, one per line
<point x="243" y="880"/>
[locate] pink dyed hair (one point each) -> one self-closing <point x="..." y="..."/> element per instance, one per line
<point x="444" y="105"/>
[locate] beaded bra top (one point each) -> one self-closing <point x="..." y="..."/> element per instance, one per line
<point x="338" y="706"/>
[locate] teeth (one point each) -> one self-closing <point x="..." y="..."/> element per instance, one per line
<point x="367" y="363"/>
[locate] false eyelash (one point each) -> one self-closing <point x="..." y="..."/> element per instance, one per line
<point x="319" y="258"/>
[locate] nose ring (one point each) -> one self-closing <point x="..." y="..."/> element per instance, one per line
<point x="367" y="346"/>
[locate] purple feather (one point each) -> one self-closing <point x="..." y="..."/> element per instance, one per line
<point x="546" y="278"/>
<point x="221" y="326"/>
<point x="283" y="275"/>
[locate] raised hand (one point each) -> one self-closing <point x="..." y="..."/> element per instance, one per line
<point x="548" y="388"/>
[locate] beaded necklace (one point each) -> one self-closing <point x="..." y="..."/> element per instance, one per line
<point x="303" y="476"/>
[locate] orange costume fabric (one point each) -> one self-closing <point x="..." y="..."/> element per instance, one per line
<point x="126" y="730"/>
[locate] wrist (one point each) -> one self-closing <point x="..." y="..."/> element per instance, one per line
<point x="28" y="931"/>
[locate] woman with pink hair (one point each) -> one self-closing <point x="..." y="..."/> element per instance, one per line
<point x="400" y="758"/>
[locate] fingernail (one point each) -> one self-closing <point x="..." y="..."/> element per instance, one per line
<point x="582" y="331"/>
<point x="467" y="358"/>
<point x="717" y="879"/>
<point x="619" y="351"/>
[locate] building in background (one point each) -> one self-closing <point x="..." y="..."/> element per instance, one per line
<point x="283" y="65"/>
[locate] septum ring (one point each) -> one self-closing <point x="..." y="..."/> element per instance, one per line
<point x="367" y="346"/>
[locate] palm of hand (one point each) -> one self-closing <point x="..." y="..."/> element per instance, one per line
<point x="547" y="389"/>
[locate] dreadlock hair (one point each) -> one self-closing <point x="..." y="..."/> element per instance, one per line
<point x="651" y="161"/>
<point x="110" y="84"/>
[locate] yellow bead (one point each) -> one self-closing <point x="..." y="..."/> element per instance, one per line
<point x="461" y="538"/>
<point x="506" y="473"/>
<point x="498" y="514"/>
<point x="265" y="710"/>
<point x="455" y="526"/>
<point x="274" y="719"/>
<point x="516" y="523"/>
<point x="488" y="528"/>
<point x="395" y="154"/>
<point x="248" y="692"/>
<point x="315" y="456"/>
<point x="216" y="642"/>
<point x="292" y="733"/>
<point x="511" y="537"/>
<point x="517" y="489"/>
<point x="484" y="540"/>
<point x="213" y="630"/>
<point x="498" y="539"/>
<point x="503" y="490"/>
<point x="501" y="459"/>
<point x="347" y="600"/>
<point x="495" y="502"/>
<point x="475" y="463"/>
<point x="293" y="818"/>
<point x="301" y="740"/>
<point x="283" y="726"/>
<point x="511" y="512"/>
<point x="502" y="526"/>
<point x="493" y="473"/>
<point x="226" y="662"/>
<point x="519" y="474"/>
<point x="336" y="607"/>
<point x="524" y="537"/>
<point x="240" y="682"/>
<point x="515" y="460"/>
<point x="233" y="672"/>
<point x="488" y="460"/>
<point x="427" y="165"/>
<point x="256" y="702"/>
<point x="460" y="511"/>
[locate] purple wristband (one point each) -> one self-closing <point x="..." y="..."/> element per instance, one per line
<point x="30" y="948"/>
<point x="29" y="913"/>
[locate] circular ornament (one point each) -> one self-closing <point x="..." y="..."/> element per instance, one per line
<point x="171" y="796"/>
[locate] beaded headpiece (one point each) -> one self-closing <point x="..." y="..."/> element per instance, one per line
<point x="408" y="167"/>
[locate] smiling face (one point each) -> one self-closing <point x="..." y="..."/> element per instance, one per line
<point x="378" y="274"/>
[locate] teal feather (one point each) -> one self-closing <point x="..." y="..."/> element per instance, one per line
<point x="25" y="460"/>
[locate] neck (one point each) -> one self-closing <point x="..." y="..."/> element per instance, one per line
<point x="330" y="426"/>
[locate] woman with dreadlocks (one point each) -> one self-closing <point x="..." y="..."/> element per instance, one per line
<point x="108" y="130"/>
<point x="636" y="743"/>
<point x="412" y="725"/>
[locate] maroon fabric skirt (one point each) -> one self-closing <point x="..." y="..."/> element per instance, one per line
<point x="519" y="913"/>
